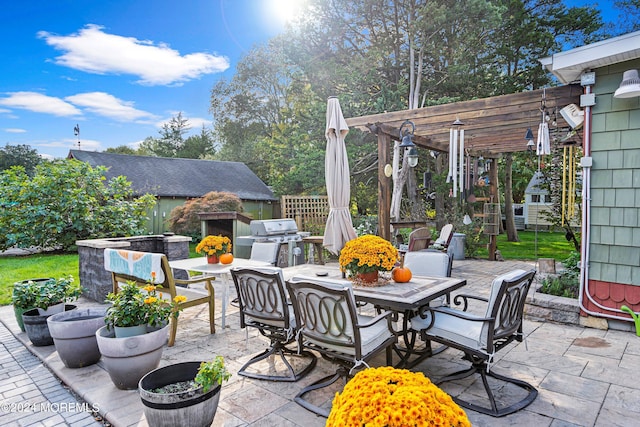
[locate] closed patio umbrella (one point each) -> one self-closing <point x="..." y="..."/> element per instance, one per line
<point x="339" y="228"/>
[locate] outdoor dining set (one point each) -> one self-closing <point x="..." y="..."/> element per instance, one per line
<point x="310" y="309"/>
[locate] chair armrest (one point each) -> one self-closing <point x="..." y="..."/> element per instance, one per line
<point x="462" y="299"/>
<point x="192" y="281"/>
<point x="461" y="314"/>
<point x="206" y="279"/>
<point x="375" y="320"/>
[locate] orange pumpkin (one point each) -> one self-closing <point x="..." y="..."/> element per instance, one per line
<point x="401" y="274"/>
<point x="226" y="258"/>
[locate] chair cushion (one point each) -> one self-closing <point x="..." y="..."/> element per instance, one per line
<point x="274" y="322"/>
<point x="452" y="328"/>
<point x="495" y="287"/>
<point x="428" y="263"/>
<point x="371" y="338"/>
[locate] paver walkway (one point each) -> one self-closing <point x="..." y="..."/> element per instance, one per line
<point x="30" y="395"/>
<point x="584" y="376"/>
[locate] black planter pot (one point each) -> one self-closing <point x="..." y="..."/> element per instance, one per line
<point x="74" y="335"/>
<point x="20" y="310"/>
<point x="36" y="327"/>
<point x="189" y="408"/>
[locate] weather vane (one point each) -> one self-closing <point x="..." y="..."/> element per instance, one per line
<point x="76" y="132"/>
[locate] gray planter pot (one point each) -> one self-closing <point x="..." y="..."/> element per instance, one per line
<point x="127" y="360"/>
<point x="190" y="408"/>
<point x="36" y="326"/>
<point x="74" y="335"/>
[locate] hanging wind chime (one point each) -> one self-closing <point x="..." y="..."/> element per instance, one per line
<point x="568" y="184"/>
<point x="456" y="158"/>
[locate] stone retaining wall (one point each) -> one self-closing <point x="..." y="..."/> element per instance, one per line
<point x="97" y="281"/>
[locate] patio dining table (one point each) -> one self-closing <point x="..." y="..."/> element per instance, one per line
<point x="223" y="271"/>
<point x="403" y="299"/>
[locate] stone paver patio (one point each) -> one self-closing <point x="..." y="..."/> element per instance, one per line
<point x="584" y="376"/>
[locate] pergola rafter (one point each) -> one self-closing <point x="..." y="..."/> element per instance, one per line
<point x="492" y="125"/>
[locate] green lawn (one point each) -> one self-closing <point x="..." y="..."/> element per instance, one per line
<point x="14" y="269"/>
<point x="549" y="245"/>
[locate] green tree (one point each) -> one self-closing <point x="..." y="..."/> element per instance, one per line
<point x="122" y="149"/>
<point x="65" y="201"/>
<point x="197" y="146"/>
<point x="19" y="155"/>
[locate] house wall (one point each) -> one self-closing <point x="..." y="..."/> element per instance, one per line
<point x="615" y="193"/>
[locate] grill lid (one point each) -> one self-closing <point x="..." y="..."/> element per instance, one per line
<point x="272" y="227"/>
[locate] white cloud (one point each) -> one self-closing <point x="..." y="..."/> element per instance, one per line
<point x="197" y="123"/>
<point x="72" y="144"/>
<point x="14" y="130"/>
<point x="39" y="103"/>
<point x="94" y="51"/>
<point x="108" y="105"/>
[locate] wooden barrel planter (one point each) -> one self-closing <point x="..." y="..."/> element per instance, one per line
<point x="184" y="408"/>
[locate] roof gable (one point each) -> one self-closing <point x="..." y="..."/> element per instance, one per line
<point x="174" y="177"/>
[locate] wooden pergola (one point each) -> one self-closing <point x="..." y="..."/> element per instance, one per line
<point x="493" y="126"/>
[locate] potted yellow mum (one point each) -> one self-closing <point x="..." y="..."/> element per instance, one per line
<point x="213" y="247"/>
<point x="385" y="396"/>
<point x="365" y="256"/>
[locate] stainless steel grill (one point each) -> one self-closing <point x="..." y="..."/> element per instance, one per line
<point x="284" y="231"/>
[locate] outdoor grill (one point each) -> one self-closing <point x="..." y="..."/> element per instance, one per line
<point x="284" y="231"/>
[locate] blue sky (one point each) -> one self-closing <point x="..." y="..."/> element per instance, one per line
<point x="120" y="68"/>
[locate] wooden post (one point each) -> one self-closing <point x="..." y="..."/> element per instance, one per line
<point x="493" y="192"/>
<point x="384" y="187"/>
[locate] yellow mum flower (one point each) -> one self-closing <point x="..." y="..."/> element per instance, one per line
<point x="180" y="298"/>
<point x="150" y="300"/>
<point x="392" y="397"/>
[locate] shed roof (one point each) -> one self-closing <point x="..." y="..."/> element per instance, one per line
<point x="174" y="177"/>
<point x="492" y="125"/>
<point x="535" y="184"/>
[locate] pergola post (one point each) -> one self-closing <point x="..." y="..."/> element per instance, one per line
<point x="494" y="198"/>
<point x="384" y="187"/>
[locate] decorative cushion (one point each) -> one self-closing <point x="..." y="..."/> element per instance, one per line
<point x="133" y="263"/>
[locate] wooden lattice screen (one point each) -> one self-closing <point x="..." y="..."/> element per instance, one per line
<point x="310" y="212"/>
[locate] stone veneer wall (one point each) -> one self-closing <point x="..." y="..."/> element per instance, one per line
<point x="97" y="281"/>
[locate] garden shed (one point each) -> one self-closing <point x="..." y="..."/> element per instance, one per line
<point x="174" y="180"/>
<point x="536" y="202"/>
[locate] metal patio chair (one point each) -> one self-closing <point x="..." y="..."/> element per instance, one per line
<point x="263" y="305"/>
<point x="326" y="313"/>
<point x="480" y="337"/>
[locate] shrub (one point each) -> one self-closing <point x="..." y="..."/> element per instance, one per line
<point x="65" y="201"/>
<point x="184" y="219"/>
<point x="567" y="283"/>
